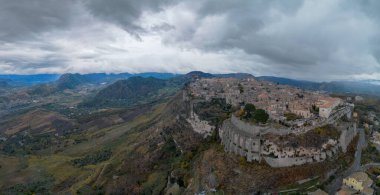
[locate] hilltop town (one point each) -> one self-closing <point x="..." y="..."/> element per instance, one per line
<point x="293" y="112"/>
<point x="190" y="134"/>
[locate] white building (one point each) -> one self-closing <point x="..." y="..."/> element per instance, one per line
<point x="326" y="105"/>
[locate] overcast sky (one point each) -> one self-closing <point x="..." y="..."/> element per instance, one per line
<point x="312" y="40"/>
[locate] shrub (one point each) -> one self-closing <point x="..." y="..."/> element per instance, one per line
<point x="92" y="159"/>
<point x="260" y="116"/>
<point x="249" y="108"/>
<point x="291" y="116"/>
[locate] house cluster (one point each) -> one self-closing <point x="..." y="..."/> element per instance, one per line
<point x="276" y="100"/>
<point x="357" y="183"/>
<point x="242" y="138"/>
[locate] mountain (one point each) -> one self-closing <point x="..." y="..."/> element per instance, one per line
<point x="157" y="75"/>
<point x="27" y="80"/>
<point x="128" y="92"/>
<point x="351" y="87"/>
<point x="70" y="81"/>
<point x="296" y="83"/>
<point x="198" y="74"/>
<point x="4" y="83"/>
<point x="235" y="75"/>
<point x="131" y="88"/>
<point x="95" y="78"/>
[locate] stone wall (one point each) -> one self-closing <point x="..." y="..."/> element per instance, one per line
<point x="348" y="133"/>
<point x="300" y="160"/>
<point x="246" y="127"/>
<point x="245" y="140"/>
<point x="239" y="142"/>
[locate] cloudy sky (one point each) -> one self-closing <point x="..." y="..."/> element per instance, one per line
<point x="312" y="40"/>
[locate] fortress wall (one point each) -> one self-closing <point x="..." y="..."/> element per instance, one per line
<point x="246" y="127"/>
<point x="238" y="141"/>
<point x="239" y="144"/>
<point x="291" y="161"/>
<point x="287" y="162"/>
<point x="347" y="136"/>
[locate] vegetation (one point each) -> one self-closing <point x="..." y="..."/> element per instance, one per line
<point x="214" y="111"/>
<point x="260" y="116"/>
<point x="370" y="154"/>
<point x="28" y="144"/>
<point x="291" y="116"/>
<point x="90" y="190"/>
<point x="314" y="109"/>
<point x="374" y="170"/>
<point x="327" y="131"/>
<point x="241" y="88"/>
<point x="41" y="186"/>
<point x="249" y="108"/>
<point x="250" y="113"/>
<point x="92" y="159"/>
<point x="345" y="159"/>
<point x="133" y="91"/>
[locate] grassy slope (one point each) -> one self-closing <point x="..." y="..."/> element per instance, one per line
<point x="143" y="156"/>
<point x="58" y="165"/>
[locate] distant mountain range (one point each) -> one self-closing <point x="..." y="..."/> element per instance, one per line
<point x="364" y="87"/>
<point x="134" y="87"/>
<point x="4" y="83"/>
<point x="138" y="89"/>
<point x="69" y="81"/>
<point x="95" y="78"/>
<point x="27" y="80"/>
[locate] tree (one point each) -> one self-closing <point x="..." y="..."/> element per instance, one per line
<point x="241" y="88"/>
<point x="260" y="116"/>
<point x="249" y="108"/>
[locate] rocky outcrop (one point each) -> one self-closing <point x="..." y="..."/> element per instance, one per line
<point x="200" y="126"/>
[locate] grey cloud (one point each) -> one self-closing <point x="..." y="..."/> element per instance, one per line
<point x="125" y="13"/>
<point x="162" y="27"/>
<point x="25" y="19"/>
<point x="326" y="39"/>
<point x="308" y="35"/>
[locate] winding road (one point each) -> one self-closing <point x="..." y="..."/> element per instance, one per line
<point x="335" y="185"/>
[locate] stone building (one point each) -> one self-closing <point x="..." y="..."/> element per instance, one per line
<point x="358" y="182"/>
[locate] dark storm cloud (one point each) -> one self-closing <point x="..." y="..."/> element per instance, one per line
<point x="25" y="19"/>
<point x="310" y="35"/>
<point x="324" y="39"/>
<point x="125" y="12"/>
